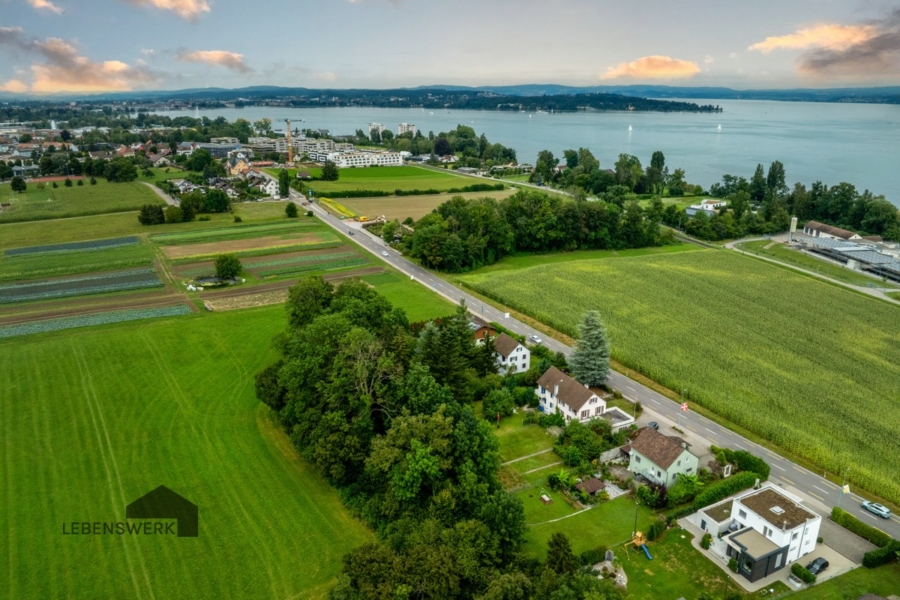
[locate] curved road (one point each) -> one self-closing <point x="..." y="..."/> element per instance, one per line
<point x="818" y="492"/>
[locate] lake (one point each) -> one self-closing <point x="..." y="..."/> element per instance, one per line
<point x="856" y="143"/>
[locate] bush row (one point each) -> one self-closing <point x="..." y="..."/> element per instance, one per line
<point x="477" y="187"/>
<point x="863" y="530"/>
<point x="724" y="488"/>
<point x="801" y="573"/>
<point x="881" y="556"/>
<point x="744" y="461"/>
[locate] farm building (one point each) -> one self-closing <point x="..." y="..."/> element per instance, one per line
<point x="816" y="229"/>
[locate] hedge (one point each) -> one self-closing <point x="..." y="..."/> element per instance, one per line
<point x="744" y="461"/>
<point x="863" y="530"/>
<point x="799" y="571"/>
<point x="724" y="488"/>
<point x="882" y="556"/>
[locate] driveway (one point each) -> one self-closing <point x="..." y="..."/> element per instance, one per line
<point x="837" y="563"/>
<point x="843" y="541"/>
<point x="169" y="199"/>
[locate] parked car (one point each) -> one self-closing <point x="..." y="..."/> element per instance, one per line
<point x="536" y="339"/>
<point x="817" y="566"/>
<point x="653" y="425"/>
<point x="877" y="509"/>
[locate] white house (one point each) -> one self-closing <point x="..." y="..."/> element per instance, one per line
<point x="713" y="203"/>
<point x="763" y="529"/>
<point x="821" y="230"/>
<point x="512" y="357"/>
<point x="270" y="187"/>
<point x="560" y="393"/>
<point x="660" y="458"/>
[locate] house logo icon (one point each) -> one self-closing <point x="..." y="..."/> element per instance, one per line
<point x="163" y="503"/>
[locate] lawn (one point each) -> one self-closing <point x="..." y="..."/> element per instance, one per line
<point x="782" y="253"/>
<point x="95" y="418"/>
<point x="49" y="203"/>
<point x="882" y="581"/>
<point x="518" y="440"/>
<point x="388" y="179"/>
<point x="400" y="207"/>
<point x="789" y="358"/>
<point x="420" y="303"/>
<point x="608" y="524"/>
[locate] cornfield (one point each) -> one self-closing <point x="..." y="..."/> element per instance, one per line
<point x="810" y="366"/>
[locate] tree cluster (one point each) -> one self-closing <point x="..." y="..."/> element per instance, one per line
<point x="466" y="234"/>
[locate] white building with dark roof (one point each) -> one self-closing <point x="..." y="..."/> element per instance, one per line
<point x="557" y="392"/>
<point x="512" y="356"/>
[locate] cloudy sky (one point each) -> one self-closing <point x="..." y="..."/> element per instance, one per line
<point x="49" y="46"/>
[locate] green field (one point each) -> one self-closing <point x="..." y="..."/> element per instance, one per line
<point x="795" y="258"/>
<point x="882" y="581"/>
<point x="419" y="303"/>
<point x="49" y="203"/>
<point x="94" y="419"/>
<point x="39" y="266"/>
<point x="387" y="179"/>
<point x="400" y="207"/>
<point x="790" y="358"/>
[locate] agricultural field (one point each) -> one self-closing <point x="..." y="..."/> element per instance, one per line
<point x="81" y="285"/>
<point x="65" y="259"/>
<point x="75" y="201"/>
<point x="386" y="179"/>
<point x="790" y="358"/>
<point x="400" y="207"/>
<point x="108" y="413"/>
<point x="795" y="258"/>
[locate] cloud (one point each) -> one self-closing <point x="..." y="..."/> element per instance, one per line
<point x="16" y="86"/>
<point x="64" y="70"/>
<point x="188" y="9"/>
<point x="709" y="60"/>
<point x="830" y="36"/>
<point x="148" y="51"/>
<point x="45" y="5"/>
<point x="653" y="67"/>
<point x="325" y="76"/>
<point x="222" y="58"/>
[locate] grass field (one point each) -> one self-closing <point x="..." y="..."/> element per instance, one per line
<point x="882" y="581"/>
<point x="419" y="303"/>
<point x="789" y="358"/>
<point x="400" y="207"/>
<point x="387" y="179"/>
<point x="795" y="258"/>
<point x="49" y="203"/>
<point x="96" y="418"/>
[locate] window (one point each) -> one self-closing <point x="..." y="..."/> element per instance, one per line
<point x="688" y="470"/>
<point x="779" y="560"/>
<point x="794" y="537"/>
<point x="542" y="389"/>
<point x="659" y="473"/>
<point x="637" y="458"/>
<point x="742" y="513"/>
<point x="767" y="532"/>
<point x="585" y="414"/>
<point x="679" y="463"/>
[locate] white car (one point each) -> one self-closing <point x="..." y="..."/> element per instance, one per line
<point x="384" y="253"/>
<point x="536" y="339"/>
<point x="877" y="509"/>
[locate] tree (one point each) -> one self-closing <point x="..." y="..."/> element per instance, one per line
<point x="758" y="184"/>
<point x="151" y="214"/>
<point x="198" y="160"/>
<point x="228" y="266"/>
<point x="68" y="182"/>
<point x="442" y="147"/>
<point x="560" y="557"/>
<point x="120" y="170"/>
<point x="545" y="166"/>
<point x="307" y="299"/>
<point x="216" y="201"/>
<point x="628" y="171"/>
<point x="93" y="181"/>
<point x="677" y="183"/>
<point x="174" y="214"/>
<point x="5" y="171"/>
<point x="498" y="402"/>
<point x="290" y="210"/>
<point x="18" y="184"/>
<point x="590" y="360"/>
<point x="330" y="171"/>
<point x="775" y="180"/>
<point x="284" y="183"/>
<point x="263" y="126"/>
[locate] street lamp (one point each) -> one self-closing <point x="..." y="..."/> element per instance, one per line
<point x="637" y="504"/>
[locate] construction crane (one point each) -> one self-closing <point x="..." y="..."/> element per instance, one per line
<point x="290" y="143"/>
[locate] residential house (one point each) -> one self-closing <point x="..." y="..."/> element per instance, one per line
<point x="763" y="529"/>
<point x="158" y="161"/>
<point x="270" y="187"/>
<point x="660" y="458"/>
<point x="124" y="151"/>
<point x="481" y="328"/>
<point x="512" y="356"/>
<point x="186" y="148"/>
<point x="102" y="155"/>
<point x="816" y="229"/>
<point x="559" y="393"/>
<point x="237" y="166"/>
<point x="713" y="203"/>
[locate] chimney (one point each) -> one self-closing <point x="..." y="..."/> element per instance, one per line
<point x="784" y="526"/>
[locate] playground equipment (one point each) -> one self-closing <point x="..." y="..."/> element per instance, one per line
<point x="638" y="541"/>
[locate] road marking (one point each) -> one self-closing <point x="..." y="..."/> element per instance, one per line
<point x="786" y="479"/>
<point x="855" y="497"/>
<point x="739" y="446"/>
<point x="653" y="401"/>
<point x="775" y="456"/>
<point x="820" y="489"/>
<point x="817" y="496"/>
<point x="691" y="428"/>
<point x="631" y="388"/>
<point x="710" y="430"/>
<point x="710" y="439"/>
<point x="777" y="467"/>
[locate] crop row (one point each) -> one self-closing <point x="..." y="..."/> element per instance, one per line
<point x="809" y="366"/>
<point x="74" y="246"/>
<point x="338" y="208"/>
<point x="78" y="268"/>
<point x="325" y="266"/>
<point x="301" y="259"/>
<point x="228" y="233"/>
<point x="116" y="316"/>
<point x="287" y="247"/>
<point x="79" y="286"/>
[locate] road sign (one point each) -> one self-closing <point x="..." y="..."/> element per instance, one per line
<point x="845" y="489"/>
<point x="684" y="406"/>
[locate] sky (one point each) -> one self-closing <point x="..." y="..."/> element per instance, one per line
<point x="88" y="46"/>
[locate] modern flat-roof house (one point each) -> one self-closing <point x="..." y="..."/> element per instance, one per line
<point x="512" y="356"/>
<point x="560" y="393"/>
<point x="816" y="229"/>
<point x="660" y="458"/>
<point x="764" y="529"/>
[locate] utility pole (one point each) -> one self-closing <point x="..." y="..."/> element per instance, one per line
<point x="637" y="504"/>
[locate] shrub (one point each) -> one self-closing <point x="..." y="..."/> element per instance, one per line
<point x="680" y="493"/>
<point x="801" y="573"/>
<point x="93" y="181"/>
<point x="68" y="182"/>
<point x="732" y="564"/>
<point x="80" y="182"/>
<point x="290" y="210"/>
<point x="309" y="213"/>
<point x="227" y="266"/>
<point x="593" y="556"/>
<point x="724" y="488"/>
<point x="551" y="420"/>
<point x="881" y="556"/>
<point x="54" y="185"/>
<point x="203" y="218"/>
<point x="656" y="529"/>
<point x="706" y="541"/>
<point x="174" y="215"/>
<point x="238" y="219"/>
<point x="41" y="185"/>
<point x="863" y="530"/>
<point x="554" y="481"/>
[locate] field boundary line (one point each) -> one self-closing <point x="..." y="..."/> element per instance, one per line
<point x="509" y="462"/>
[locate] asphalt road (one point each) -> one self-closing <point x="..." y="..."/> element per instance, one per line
<point x="819" y="493"/>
